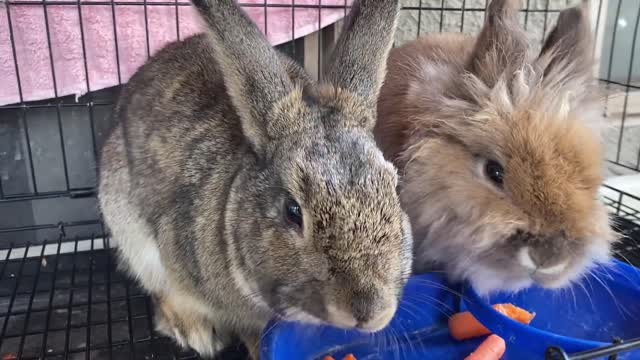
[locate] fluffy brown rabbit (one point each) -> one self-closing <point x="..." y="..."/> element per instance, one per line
<point x="500" y="165"/>
<point x="236" y="190"/>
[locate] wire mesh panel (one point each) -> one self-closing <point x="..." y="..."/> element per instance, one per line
<point x="62" y="64"/>
<point x="620" y="72"/>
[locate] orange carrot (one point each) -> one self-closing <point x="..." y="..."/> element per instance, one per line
<point x="465" y="326"/>
<point x="347" y="357"/>
<point x="514" y="312"/>
<point x="491" y="349"/>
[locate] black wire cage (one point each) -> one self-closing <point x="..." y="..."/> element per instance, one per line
<point x="61" y="296"/>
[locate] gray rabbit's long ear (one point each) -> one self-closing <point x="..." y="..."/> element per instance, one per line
<point x="253" y="73"/>
<point x="358" y="62"/>
<point x="568" y="50"/>
<point x="502" y="43"/>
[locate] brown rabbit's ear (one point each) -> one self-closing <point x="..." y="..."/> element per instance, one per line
<point x="359" y="61"/>
<point x="569" y="48"/>
<point x="253" y="74"/>
<point x="502" y="43"/>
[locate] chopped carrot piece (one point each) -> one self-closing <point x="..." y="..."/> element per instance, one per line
<point x="492" y="348"/>
<point x="465" y="326"/>
<point x="349" y="357"/>
<point x="514" y="312"/>
<point x="328" y="357"/>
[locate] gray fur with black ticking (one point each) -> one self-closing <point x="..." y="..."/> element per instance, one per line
<point x="218" y="138"/>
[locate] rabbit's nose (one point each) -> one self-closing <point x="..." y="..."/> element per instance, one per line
<point x="379" y="321"/>
<point x="372" y="311"/>
<point x="538" y="261"/>
<point x="366" y="309"/>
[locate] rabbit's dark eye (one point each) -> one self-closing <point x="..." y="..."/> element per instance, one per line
<point x="293" y="212"/>
<point x="494" y="172"/>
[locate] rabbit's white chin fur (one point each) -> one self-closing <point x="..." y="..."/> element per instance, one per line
<point x="295" y="314"/>
<point x="485" y="280"/>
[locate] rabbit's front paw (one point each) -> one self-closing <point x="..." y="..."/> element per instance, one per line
<point x="188" y="328"/>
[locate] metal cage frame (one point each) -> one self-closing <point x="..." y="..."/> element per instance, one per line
<point x="61" y="296"/>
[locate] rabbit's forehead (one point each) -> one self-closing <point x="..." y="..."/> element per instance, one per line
<point x="361" y="212"/>
<point x="557" y="169"/>
<point x="566" y="149"/>
<point x="338" y="108"/>
<point x="344" y="160"/>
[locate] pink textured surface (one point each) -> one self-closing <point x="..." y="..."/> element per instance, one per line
<point x="35" y="64"/>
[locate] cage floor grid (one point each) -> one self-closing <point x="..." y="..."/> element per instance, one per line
<point x="66" y="300"/>
<point x="77" y="306"/>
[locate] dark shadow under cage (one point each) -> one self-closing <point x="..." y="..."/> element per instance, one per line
<point x="61" y="296"/>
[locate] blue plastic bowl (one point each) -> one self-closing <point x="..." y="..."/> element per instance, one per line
<point x="583" y="317"/>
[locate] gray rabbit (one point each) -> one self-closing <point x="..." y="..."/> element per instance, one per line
<point x="237" y="190"/>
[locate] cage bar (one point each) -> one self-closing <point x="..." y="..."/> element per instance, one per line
<point x="52" y="293"/>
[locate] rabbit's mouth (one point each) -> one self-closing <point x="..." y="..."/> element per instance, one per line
<point x="367" y="312"/>
<point x="339" y="319"/>
<point x="549" y="273"/>
<point x="486" y="281"/>
<point x="525" y="258"/>
<point x="515" y="270"/>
